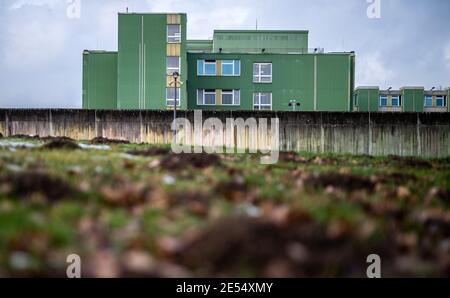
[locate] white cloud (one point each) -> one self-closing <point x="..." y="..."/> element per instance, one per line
<point x="371" y="70"/>
<point x="447" y="55"/>
<point x="18" y="4"/>
<point x="205" y="16"/>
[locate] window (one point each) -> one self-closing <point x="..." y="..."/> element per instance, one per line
<point x="383" y="101"/>
<point x="206" y="97"/>
<point x="440" y="101"/>
<point x="210" y="68"/>
<point x="396" y="101"/>
<point x="262" y="72"/>
<point x="428" y="101"/>
<point x="173" y="65"/>
<point x="262" y="101"/>
<point x="231" y="97"/>
<point x="173" y="33"/>
<point x="231" y="67"/>
<point x="170" y="96"/>
<point x="206" y="67"/>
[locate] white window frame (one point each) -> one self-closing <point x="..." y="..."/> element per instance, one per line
<point x="383" y="96"/>
<point x="425" y="101"/>
<point x="227" y="62"/>
<point x="204" y="68"/>
<point x="259" y="105"/>
<point x="172" y="99"/>
<point x="399" y="101"/>
<point x="443" y="101"/>
<point x="202" y="103"/>
<point x="176" y="36"/>
<point x="232" y="91"/>
<point x="173" y="69"/>
<point x="259" y="76"/>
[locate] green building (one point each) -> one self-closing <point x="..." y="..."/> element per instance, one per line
<point x="407" y="99"/>
<point x="236" y="70"/>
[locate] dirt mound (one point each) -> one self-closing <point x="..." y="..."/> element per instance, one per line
<point x="346" y="182"/>
<point x="127" y="194"/>
<point x="152" y="151"/>
<point x="28" y="183"/>
<point x="196" y="202"/>
<point x="64" y="138"/>
<point x="196" y="160"/>
<point x="410" y="162"/>
<point x="291" y="156"/>
<point x="395" y="178"/>
<point x="106" y="141"/>
<point x="242" y="244"/>
<point x="233" y="190"/>
<point x="27" y="137"/>
<point x="61" y="143"/>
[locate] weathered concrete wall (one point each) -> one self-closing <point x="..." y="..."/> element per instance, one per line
<point x="359" y="133"/>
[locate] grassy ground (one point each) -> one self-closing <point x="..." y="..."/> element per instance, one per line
<point x="136" y="210"/>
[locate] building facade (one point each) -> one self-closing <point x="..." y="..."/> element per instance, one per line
<point x="407" y="99"/>
<point x="236" y="70"/>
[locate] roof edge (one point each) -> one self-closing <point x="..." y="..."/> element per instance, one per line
<point x="259" y="31"/>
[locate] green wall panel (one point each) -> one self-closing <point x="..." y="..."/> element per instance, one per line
<point x="413" y="99"/>
<point x="99" y="80"/>
<point x="146" y="89"/>
<point x="293" y="78"/>
<point x="247" y="41"/>
<point x="368" y="99"/>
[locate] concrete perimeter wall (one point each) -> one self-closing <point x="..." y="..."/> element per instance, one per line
<point x="405" y="134"/>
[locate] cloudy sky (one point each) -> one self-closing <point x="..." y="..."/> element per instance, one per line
<point x="41" y="41"/>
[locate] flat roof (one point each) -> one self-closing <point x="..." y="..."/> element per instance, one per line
<point x="412" y="87"/>
<point x="99" y="52"/>
<point x="267" y="54"/>
<point x="200" y="40"/>
<point x="152" y="13"/>
<point x="367" y="87"/>
<point x="262" y="31"/>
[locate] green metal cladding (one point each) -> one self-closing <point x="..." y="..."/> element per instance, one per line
<point x="137" y="75"/>
<point x="272" y="41"/>
<point x="319" y="82"/>
<point x="99" y="80"/>
<point x="142" y="56"/>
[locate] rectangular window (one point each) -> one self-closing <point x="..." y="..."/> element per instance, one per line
<point x="262" y="72"/>
<point x="440" y="101"/>
<point x="227" y="97"/>
<point x="210" y="68"/>
<point x="428" y="101"/>
<point x="231" y="97"/>
<point x="231" y="67"/>
<point x="262" y="101"/>
<point x="383" y="101"/>
<point x="208" y="97"/>
<point x="396" y="101"/>
<point x="237" y="97"/>
<point x="173" y="33"/>
<point x="170" y="96"/>
<point x="173" y="65"/>
<point x="200" y="67"/>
